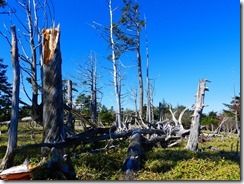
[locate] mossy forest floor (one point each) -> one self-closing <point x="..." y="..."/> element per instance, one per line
<point x="157" y="163"/>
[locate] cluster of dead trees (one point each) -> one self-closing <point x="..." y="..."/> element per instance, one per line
<point x="59" y="134"/>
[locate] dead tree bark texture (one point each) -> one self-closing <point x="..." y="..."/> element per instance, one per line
<point x="116" y="79"/>
<point x="53" y="124"/>
<point x="52" y="87"/>
<point x="8" y="159"/>
<point x="70" y="119"/>
<point x="192" y="143"/>
<point x="132" y="163"/>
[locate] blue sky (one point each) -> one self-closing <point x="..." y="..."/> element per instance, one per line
<point x="188" y="40"/>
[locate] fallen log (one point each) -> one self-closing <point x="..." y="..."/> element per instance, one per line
<point x="131" y="164"/>
<point x="6" y="123"/>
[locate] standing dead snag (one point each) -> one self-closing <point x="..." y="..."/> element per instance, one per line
<point x="132" y="163"/>
<point x="70" y="127"/>
<point x="196" y="117"/>
<point x="53" y="123"/>
<point x="52" y="87"/>
<point x="8" y="159"/>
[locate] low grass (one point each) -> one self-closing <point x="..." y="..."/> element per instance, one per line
<point x="177" y="163"/>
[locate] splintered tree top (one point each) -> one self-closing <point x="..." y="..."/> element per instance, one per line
<point x="50" y="40"/>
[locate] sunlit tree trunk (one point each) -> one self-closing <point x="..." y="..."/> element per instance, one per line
<point x="192" y="143"/>
<point x="149" y="113"/>
<point x="8" y="159"/>
<point x="52" y="87"/>
<point x="70" y="122"/>
<point x="140" y="81"/>
<point x="117" y="87"/>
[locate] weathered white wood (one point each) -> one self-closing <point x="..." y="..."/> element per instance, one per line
<point x="173" y="115"/>
<point x="217" y="130"/>
<point x="192" y="143"/>
<point x="8" y="159"/>
<point x="70" y="127"/>
<point x="26" y="119"/>
<point x="116" y="79"/>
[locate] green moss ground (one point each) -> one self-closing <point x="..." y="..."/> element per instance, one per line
<point x="158" y="164"/>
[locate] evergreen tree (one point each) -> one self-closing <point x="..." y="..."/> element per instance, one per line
<point x="128" y="31"/>
<point x="5" y="93"/>
<point x="234" y="110"/>
<point x="2" y="3"/>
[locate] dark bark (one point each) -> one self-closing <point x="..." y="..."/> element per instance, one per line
<point x="131" y="164"/>
<point x="52" y="88"/>
<point x="94" y="135"/>
<point x="53" y="124"/>
<point x="8" y="159"/>
<point x="160" y="117"/>
<point x="70" y="126"/>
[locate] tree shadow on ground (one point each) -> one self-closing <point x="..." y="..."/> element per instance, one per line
<point x="165" y="160"/>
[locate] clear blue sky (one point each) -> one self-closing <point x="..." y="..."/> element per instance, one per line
<point x="188" y="40"/>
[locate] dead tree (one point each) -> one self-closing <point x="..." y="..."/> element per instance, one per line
<point x="116" y="79"/>
<point x="217" y="130"/>
<point x="178" y="128"/>
<point x="149" y="104"/>
<point x="88" y="78"/>
<point x="192" y="143"/>
<point x="53" y="124"/>
<point x="70" y="127"/>
<point x="52" y="87"/>
<point x="8" y="159"/>
<point x="132" y="163"/>
<point x="32" y="56"/>
<point x="160" y="107"/>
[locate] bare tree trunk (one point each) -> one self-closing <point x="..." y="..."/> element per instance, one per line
<point x="192" y="143"/>
<point x="52" y="92"/>
<point x="53" y="123"/>
<point x="8" y="159"/>
<point x="217" y="130"/>
<point x="237" y="126"/>
<point x="149" y="113"/>
<point x="160" y="117"/>
<point x="70" y="120"/>
<point x="116" y="79"/>
<point x="134" y="99"/>
<point x="94" y="89"/>
<point x="35" y="112"/>
<point x="140" y="79"/>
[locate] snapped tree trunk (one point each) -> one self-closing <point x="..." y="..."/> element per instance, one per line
<point x="53" y="123"/>
<point x="53" y="129"/>
<point x="192" y="143"/>
<point x="8" y="159"/>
